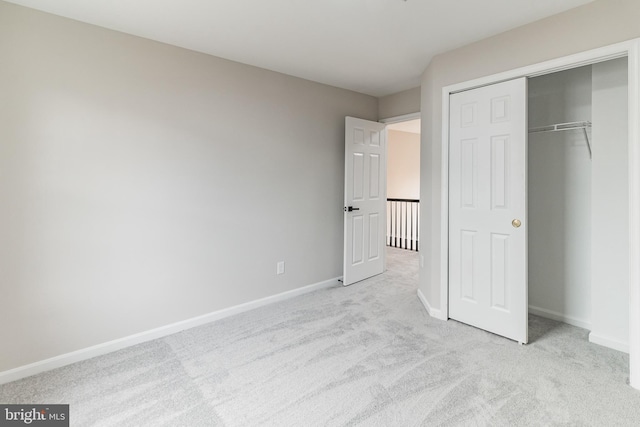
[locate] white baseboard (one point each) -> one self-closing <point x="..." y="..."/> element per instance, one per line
<point x="560" y="317"/>
<point x="163" y="331"/>
<point x="609" y="342"/>
<point x="430" y="310"/>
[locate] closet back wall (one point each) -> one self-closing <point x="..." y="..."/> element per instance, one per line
<point x="143" y="184"/>
<point x="610" y="206"/>
<point x="559" y="198"/>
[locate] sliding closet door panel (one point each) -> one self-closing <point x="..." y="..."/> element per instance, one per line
<point x="487" y="209"/>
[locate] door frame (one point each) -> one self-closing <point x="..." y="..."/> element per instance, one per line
<point x="389" y="121"/>
<point x="402" y="118"/>
<point x="629" y="49"/>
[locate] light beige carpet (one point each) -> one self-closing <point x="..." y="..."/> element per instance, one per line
<point x="363" y="355"/>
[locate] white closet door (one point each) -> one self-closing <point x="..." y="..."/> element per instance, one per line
<point x="487" y="208"/>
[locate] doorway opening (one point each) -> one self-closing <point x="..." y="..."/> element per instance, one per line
<point x="578" y="207"/>
<point x="403" y="185"/>
<point x="366" y="209"/>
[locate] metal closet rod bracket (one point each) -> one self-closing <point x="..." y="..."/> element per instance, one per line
<point x="566" y="126"/>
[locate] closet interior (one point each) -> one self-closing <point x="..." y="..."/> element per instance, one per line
<point x="578" y="202"/>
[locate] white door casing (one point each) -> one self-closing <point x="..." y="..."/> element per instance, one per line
<point x="487" y="208"/>
<point x="365" y="193"/>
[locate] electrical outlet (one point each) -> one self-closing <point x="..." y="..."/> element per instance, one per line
<point x="280" y="267"/>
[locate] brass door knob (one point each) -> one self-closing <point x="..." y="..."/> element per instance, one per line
<point x="516" y="223"/>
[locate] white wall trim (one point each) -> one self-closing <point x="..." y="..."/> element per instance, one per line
<point x="630" y="49"/>
<point x="163" y="331"/>
<point x="560" y="317"/>
<point x="608" y="342"/>
<point x="444" y="203"/>
<point x="402" y="118"/>
<point x="430" y="310"/>
<point x="634" y="214"/>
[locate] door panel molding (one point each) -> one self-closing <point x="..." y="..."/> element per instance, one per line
<point x="365" y="192"/>
<point x="487" y="255"/>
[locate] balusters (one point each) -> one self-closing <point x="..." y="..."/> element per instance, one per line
<point x="402" y="223"/>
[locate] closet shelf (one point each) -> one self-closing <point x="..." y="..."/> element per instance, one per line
<point x="566" y="126"/>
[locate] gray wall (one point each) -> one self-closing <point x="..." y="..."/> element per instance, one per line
<point x="143" y="184"/>
<point x="403" y="165"/>
<point x="399" y="104"/>
<point x="596" y="24"/>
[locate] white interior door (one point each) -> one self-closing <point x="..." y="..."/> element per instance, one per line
<point x="364" y="199"/>
<point x="487" y="209"/>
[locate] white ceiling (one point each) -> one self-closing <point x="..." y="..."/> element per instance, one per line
<point x="377" y="47"/>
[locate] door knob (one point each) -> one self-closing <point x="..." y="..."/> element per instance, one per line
<point x="350" y="209"/>
<point x="516" y="223"/>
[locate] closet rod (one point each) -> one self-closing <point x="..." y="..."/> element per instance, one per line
<point x="566" y="126"/>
